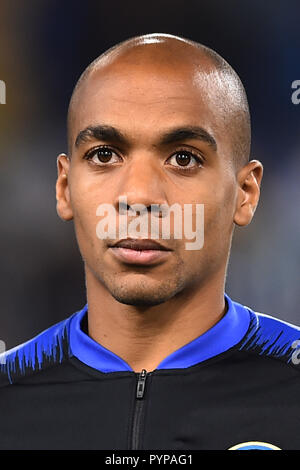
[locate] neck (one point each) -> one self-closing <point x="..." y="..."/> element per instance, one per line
<point x="143" y="337"/>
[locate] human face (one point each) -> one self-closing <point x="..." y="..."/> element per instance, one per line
<point x="143" y="105"/>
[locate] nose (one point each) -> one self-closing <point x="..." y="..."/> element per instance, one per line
<point x="142" y="182"/>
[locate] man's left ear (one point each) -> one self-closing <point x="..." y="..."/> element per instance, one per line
<point x="63" y="202"/>
<point x="249" y="180"/>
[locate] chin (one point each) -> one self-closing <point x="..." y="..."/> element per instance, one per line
<point x="142" y="296"/>
<point x="138" y="300"/>
<point x="143" y="292"/>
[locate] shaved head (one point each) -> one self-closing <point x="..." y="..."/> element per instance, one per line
<point x="165" y="54"/>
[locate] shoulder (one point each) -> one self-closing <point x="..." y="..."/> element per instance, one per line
<point x="272" y="337"/>
<point x="48" y="348"/>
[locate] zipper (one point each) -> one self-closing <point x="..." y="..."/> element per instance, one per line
<point x="139" y="405"/>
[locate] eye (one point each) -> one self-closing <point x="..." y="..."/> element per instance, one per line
<point x="186" y="160"/>
<point x="102" y="155"/>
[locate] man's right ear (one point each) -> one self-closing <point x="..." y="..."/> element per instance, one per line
<point x="63" y="204"/>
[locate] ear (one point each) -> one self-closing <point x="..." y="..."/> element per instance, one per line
<point x="63" y="205"/>
<point x="249" y="180"/>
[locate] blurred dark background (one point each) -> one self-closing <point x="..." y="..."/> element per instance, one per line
<point x="44" y="47"/>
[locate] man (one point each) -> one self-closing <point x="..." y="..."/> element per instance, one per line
<point x="160" y="357"/>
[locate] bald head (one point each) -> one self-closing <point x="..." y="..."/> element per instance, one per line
<point x="165" y="54"/>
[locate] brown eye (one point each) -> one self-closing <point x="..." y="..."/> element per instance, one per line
<point x="185" y="160"/>
<point x="101" y="156"/>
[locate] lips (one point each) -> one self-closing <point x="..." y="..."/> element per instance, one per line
<point x="140" y="245"/>
<point x="140" y="252"/>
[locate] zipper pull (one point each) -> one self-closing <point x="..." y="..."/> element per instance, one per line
<point x="141" y="384"/>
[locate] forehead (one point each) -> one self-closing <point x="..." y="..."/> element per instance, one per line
<point x="150" y="96"/>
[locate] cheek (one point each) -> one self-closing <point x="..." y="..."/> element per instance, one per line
<point x="218" y="198"/>
<point x="85" y="194"/>
<point x="219" y="218"/>
<point x="84" y="211"/>
<point x="84" y="205"/>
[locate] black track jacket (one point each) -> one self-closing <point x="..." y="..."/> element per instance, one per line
<point x="235" y="386"/>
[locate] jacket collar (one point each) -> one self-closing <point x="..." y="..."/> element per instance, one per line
<point x="225" y="334"/>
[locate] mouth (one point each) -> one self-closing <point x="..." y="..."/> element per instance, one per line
<point x="140" y="252"/>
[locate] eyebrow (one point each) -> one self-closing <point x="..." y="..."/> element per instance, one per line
<point x="111" y="134"/>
